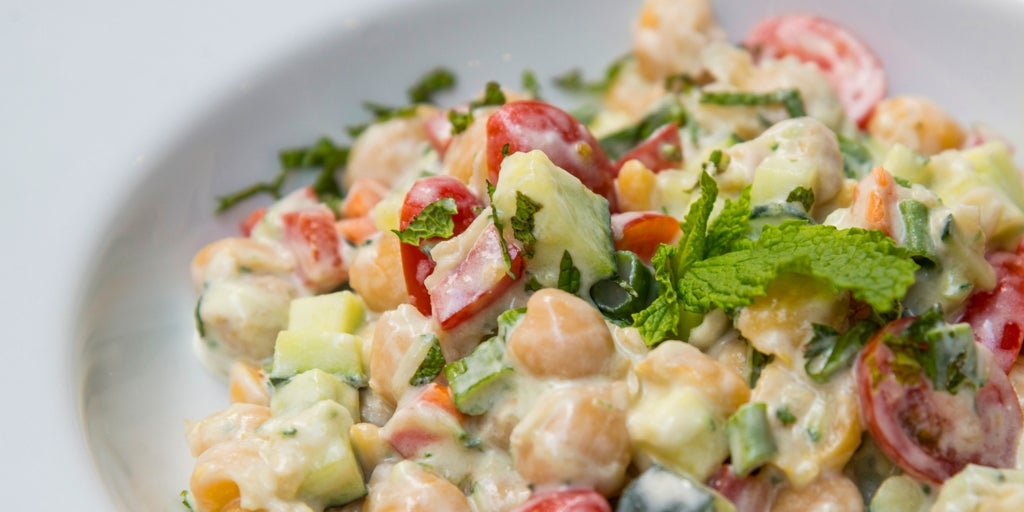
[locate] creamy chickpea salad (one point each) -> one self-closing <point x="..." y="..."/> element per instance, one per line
<point x="737" y="277"/>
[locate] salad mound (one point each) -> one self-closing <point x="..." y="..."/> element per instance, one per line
<point x="736" y="277"/>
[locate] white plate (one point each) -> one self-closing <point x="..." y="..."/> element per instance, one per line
<point x="126" y="342"/>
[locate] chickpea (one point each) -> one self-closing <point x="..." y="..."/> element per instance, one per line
<point x="831" y="492"/>
<point x="669" y="35"/>
<point x="677" y="364"/>
<point x="231" y="257"/>
<point x="237" y="421"/>
<point x="241" y="317"/>
<point x="387" y="150"/>
<point x="465" y="155"/>
<point x="394" y="337"/>
<point x="219" y="471"/>
<point x="408" y="487"/>
<point x="576" y="436"/>
<point x="376" y="273"/>
<point x="561" y="335"/>
<point x="915" y="122"/>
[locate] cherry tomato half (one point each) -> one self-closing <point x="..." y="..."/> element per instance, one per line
<point x="661" y="150"/>
<point x="933" y="434"/>
<point x="566" y="500"/>
<point x="850" y="66"/>
<point x="996" y="315"/>
<point x="416" y="264"/>
<point x="643" y="232"/>
<point x="312" y="238"/>
<point x="523" y="126"/>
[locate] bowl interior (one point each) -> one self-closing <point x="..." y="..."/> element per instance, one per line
<point x="139" y="378"/>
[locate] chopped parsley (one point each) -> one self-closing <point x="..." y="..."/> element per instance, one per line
<point x="432" y="364"/>
<point x="434" y="221"/>
<point x="523" y="222"/>
<point x="788" y="99"/>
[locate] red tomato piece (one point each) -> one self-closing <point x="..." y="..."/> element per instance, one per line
<point x="416" y="264"/>
<point x="523" y="126"/>
<point x="933" y="434"/>
<point x="661" y="150"/>
<point x="642" y="232"/>
<point x="312" y="238"/>
<point x="996" y="315"/>
<point x="747" y="493"/>
<point x="851" y="66"/>
<point x="251" y="220"/>
<point x="428" y="418"/>
<point x="566" y="500"/>
<point x="476" y="281"/>
<point x="439" y="131"/>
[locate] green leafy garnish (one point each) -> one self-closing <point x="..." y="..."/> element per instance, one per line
<point x="621" y="142"/>
<point x="731" y="226"/>
<point x="857" y="161"/>
<point x="756" y="361"/>
<point x="531" y="85"/>
<point x="461" y="120"/>
<point x="185" y="500"/>
<point x="434" y="221"/>
<point x="523" y="222"/>
<point x="784" y="415"/>
<point x="433" y="82"/>
<point x="802" y="196"/>
<point x="943" y="353"/>
<point x="500" y="226"/>
<point x="324" y="153"/>
<point x="573" y="81"/>
<point x="829" y="352"/>
<point x="788" y="99"/>
<point x="432" y="364"/>
<point x="568" y="274"/>
<point x="695" y="279"/>
<point x="200" y="327"/>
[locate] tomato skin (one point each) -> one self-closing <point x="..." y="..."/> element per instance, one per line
<point x="642" y="232"/>
<point x="656" y="152"/>
<point x="528" y="125"/>
<point x="439" y="131"/>
<point x="915" y="426"/>
<point x="416" y="264"/>
<point x="312" y="238"/>
<point x="251" y="220"/>
<point x="746" y="493"/>
<point x="852" y="68"/>
<point x="566" y="500"/>
<point x="996" y="316"/>
<point x="476" y="281"/>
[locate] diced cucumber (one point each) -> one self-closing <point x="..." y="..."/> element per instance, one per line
<point x="339" y="354"/>
<point x="571" y="218"/>
<point x="899" y="493"/>
<point x="334" y="312"/>
<point x="310" y="387"/>
<point x="660" y="490"/>
<point x="508" y="321"/>
<point x="750" y="438"/>
<point x="478" y="379"/>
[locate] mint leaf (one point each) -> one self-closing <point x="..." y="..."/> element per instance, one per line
<point x="661" y="318"/>
<point x="523" y="222"/>
<point x="432" y="364"/>
<point x="802" y="196"/>
<point x="829" y="351"/>
<point x="857" y="161"/>
<point x="867" y="263"/>
<point x="434" y="221"/>
<point x="430" y="84"/>
<point x="568" y="274"/>
<point x="943" y="353"/>
<point x="693" y="243"/>
<point x="788" y="99"/>
<point x="500" y="226"/>
<point x="731" y="226"/>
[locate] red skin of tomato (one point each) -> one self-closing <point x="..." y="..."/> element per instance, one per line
<point x="416" y="264"/>
<point x="312" y="238"/>
<point x="912" y="423"/>
<point x="251" y="220"/>
<point x="746" y="493"/>
<point x="996" y="315"/>
<point x="852" y="68"/>
<point x="534" y="125"/>
<point x="476" y="281"/>
<point x="439" y="131"/>
<point x="643" y="232"/>
<point x="566" y="500"/>
<point x="655" y="150"/>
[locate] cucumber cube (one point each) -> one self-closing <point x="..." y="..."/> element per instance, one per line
<point x="336" y="353"/>
<point x="478" y="379"/>
<point x="334" y="312"/>
<point x="307" y="388"/>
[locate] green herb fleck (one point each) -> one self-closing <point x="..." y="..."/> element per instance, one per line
<point x="500" y="226"/>
<point x="568" y="274"/>
<point x="434" y="221"/>
<point x="756" y="361"/>
<point x="531" y="85"/>
<point x="789" y="99"/>
<point x="533" y="284"/>
<point x="814" y="435"/>
<point x="185" y="501"/>
<point x="435" y="81"/>
<point x="621" y="142"/>
<point x="289" y="432"/>
<point x="784" y="415"/>
<point x="200" y="327"/>
<point x="829" y="352"/>
<point x="802" y="196"/>
<point x="942" y="353"/>
<point x="460" y="120"/>
<point x="523" y="222"/>
<point x="857" y="161"/>
<point x="432" y="364"/>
